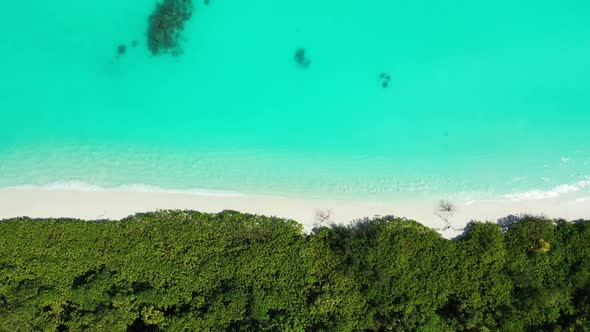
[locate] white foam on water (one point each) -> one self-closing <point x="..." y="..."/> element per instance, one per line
<point x="556" y="191"/>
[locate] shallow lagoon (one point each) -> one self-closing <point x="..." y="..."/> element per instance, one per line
<point x="484" y="99"/>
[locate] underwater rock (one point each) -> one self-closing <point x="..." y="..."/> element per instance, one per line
<point x="134" y="43"/>
<point x="166" y="24"/>
<point x="384" y="78"/>
<point x="301" y="59"/>
<point x="121" y="49"/>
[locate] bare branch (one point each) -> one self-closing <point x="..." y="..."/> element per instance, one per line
<point x="446" y="207"/>
<point x="322" y="216"/>
<point x="445" y="210"/>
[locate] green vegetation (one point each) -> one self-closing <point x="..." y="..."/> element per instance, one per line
<point x="190" y="271"/>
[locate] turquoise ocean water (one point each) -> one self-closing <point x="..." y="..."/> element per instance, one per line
<point x="485" y="98"/>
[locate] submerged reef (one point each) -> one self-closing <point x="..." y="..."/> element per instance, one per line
<point x="166" y="24"/>
<point x="301" y="59"/>
<point x="384" y="78"/>
<point x="121" y="49"/>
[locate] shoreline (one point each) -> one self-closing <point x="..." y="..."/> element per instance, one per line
<point x="35" y="202"/>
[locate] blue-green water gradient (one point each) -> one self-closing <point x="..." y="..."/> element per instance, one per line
<point x="485" y="97"/>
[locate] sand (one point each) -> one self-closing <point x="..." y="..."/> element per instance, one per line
<point x="41" y="203"/>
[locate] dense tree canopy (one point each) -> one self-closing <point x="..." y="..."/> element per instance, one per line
<point x="191" y="271"/>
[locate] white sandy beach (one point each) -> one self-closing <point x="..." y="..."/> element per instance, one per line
<point x="103" y="204"/>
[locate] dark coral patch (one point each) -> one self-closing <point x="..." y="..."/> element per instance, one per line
<point x="384" y="78"/>
<point x="301" y="58"/>
<point x="121" y="49"/>
<point x="166" y="24"/>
